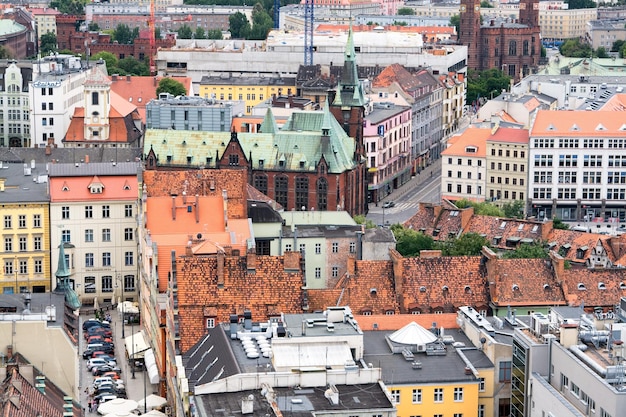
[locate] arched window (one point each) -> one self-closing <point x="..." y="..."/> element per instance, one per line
<point x="525" y="48"/>
<point x="95" y="97"/>
<point x="322" y="194"/>
<point x="512" y="47"/>
<point x="281" y="188"/>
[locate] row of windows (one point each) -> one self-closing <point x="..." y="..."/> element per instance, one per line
<point x="21" y="221"/>
<point x="469" y="175"/>
<point x="459" y="161"/>
<point x="508" y="153"/>
<point x="468" y="188"/>
<point x="22" y="267"/>
<point x="106" y="284"/>
<point x="281" y="190"/>
<point x="507" y="167"/>
<point x="589" y="177"/>
<point x="23" y="244"/>
<point x="106" y="211"/>
<point x="506" y="181"/>
<point x="318" y="247"/>
<point x="416" y="396"/>
<point x="587" y="193"/>
<point x="66" y="235"/>
<point x="493" y="194"/>
<point x="572" y="161"/>
<point x="129" y="259"/>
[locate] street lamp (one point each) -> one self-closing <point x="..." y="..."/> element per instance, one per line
<point x="118" y="280"/>
<point x="132" y="342"/>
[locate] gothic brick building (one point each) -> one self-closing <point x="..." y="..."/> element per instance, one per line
<point x="511" y="45"/>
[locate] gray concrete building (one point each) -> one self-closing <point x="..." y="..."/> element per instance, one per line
<point x="191" y="113"/>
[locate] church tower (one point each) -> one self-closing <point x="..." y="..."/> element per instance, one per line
<point x="97" y="104"/>
<point x="469" y="29"/>
<point x="529" y="13"/>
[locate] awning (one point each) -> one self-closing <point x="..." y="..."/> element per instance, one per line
<point x="150" y="362"/>
<point x="136" y="345"/>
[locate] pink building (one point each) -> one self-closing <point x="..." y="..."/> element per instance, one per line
<point x="387" y="138"/>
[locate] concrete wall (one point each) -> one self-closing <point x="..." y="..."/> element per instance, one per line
<point x="47" y="348"/>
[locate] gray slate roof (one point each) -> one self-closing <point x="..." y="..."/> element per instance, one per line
<point x="98" y="168"/>
<point x="20" y="188"/>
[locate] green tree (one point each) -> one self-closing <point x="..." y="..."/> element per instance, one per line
<point x="238" y="25"/>
<point x="410" y="242"/>
<point x="575" y="48"/>
<point x="581" y="4"/>
<point x="157" y="33"/>
<point x="559" y="224"/>
<point x="132" y="66"/>
<point x="617" y="46"/>
<point x="527" y="251"/>
<point x="108" y="58"/>
<point x="485" y="84"/>
<point x="514" y="210"/>
<point x="199" y="33"/>
<point x="73" y="7"/>
<point x="399" y="23"/>
<point x="214" y="34"/>
<point x="93" y="27"/>
<point x="261" y="23"/>
<point x="5" y="52"/>
<point x="48" y="43"/>
<point x="544" y="53"/>
<point x="468" y="244"/>
<point x="184" y="32"/>
<point x="455" y="21"/>
<point x="486" y="4"/>
<point x="123" y="35"/>
<point x="360" y="219"/>
<point x="482" y="208"/>
<point x="170" y="85"/>
<point x="405" y="11"/>
<point x="601" y="52"/>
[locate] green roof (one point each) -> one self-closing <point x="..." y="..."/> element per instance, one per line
<point x="298" y="146"/>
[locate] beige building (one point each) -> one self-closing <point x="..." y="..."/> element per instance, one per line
<point x="507" y="160"/>
<point x="565" y="24"/>
<point x="46" y="19"/>
<point x="603" y="33"/>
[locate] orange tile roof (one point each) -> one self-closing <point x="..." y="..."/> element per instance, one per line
<point x="510" y="135"/>
<point x="617" y="102"/>
<point x="78" y="188"/>
<point x="471" y="137"/>
<point x="578" y="123"/>
<point x="386" y="322"/>
<point x="139" y="91"/>
<point x="584" y="285"/>
<point x="576" y="240"/>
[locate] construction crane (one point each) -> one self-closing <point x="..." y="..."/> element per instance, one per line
<point x="276" y="14"/>
<point x="152" y="51"/>
<point x="308" y="32"/>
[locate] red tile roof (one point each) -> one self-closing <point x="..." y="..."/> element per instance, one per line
<point x="594" y="287"/>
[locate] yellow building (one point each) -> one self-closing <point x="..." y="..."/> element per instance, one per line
<point x="562" y="24"/>
<point x="250" y="90"/>
<point x="25" y="255"/>
<point x="427" y="378"/>
<point x="46" y="18"/>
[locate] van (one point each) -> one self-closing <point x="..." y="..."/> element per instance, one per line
<point x="95" y="362"/>
<point x="102" y="380"/>
<point x="95" y="346"/>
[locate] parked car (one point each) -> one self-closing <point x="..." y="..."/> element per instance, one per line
<point x="90" y="323"/>
<point x="111" y="361"/>
<point x="113" y="374"/>
<point x="104" y="370"/>
<point x="105" y="396"/>
<point x="95" y="362"/>
<point x="389" y="204"/>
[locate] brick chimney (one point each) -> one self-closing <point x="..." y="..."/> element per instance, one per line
<point x="291" y="261"/>
<point x="220" y="269"/>
<point x="251" y="261"/>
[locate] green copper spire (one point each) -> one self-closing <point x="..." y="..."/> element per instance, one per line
<point x="326" y="122"/>
<point x="62" y="271"/>
<point x="349" y="90"/>
<point x="269" y="122"/>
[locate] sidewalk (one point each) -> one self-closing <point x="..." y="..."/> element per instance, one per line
<point x="428" y="174"/>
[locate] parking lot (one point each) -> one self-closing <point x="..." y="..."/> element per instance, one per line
<point x="136" y="388"/>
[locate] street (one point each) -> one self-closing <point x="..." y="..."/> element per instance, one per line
<point x="421" y="188"/>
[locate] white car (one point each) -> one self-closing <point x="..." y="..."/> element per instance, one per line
<point x="95" y="362"/>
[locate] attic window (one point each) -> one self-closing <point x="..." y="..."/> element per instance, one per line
<point x="373" y="291"/>
<point x="546" y="286"/>
<point x="581" y="287"/>
<point x="261" y="162"/>
<point x="515" y="287"/>
<point x="622" y="286"/>
<point x="575" y="127"/>
<point x="281" y="164"/>
<point x="169" y="158"/>
<point x="601" y="286"/>
<point x="535" y="228"/>
<point x="436" y="232"/>
<point x="468" y="289"/>
<point x="126" y="186"/>
<point x="65" y="187"/>
<point x="551" y="127"/>
<point x="496" y="240"/>
<point x="422" y="289"/>
<point x="470" y="149"/>
<point x="502" y="225"/>
<point x="445" y="288"/>
<point x="600" y="127"/>
<point x="520" y="227"/>
<point x="301" y="164"/>
<point x="189" y="158"/>
<point x="580" y="253"/>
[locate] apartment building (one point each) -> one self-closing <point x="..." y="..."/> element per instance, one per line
<point x="92" y="212"/>
<point x="463" y="166"/>
<point x="562" y="24"/>
<point x="507" y="165"/>
<point x="577" y="171"/>
<point x="14" y="105"/>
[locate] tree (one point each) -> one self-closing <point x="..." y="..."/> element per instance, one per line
<point x="238" y="25"/>
<point x="410" y="242"/>
<point x="48" y="43"/>
<point x="199" y="33"/>
<point x="544" y="53"/>
<point x="575" y="48"/>
<point x="601" y="52"/>
<point x="559" y="224"/>
<point x="169" y="85"/>
<point x="108" y="58"/>
<point x="360" y="219"/>
<point x="514" y="210"/>
<point x="5" y="52"/>
<point x="527" y="251"/>
<point x="485" y="84"/>
<point x="123" y="35"/>
<point x="581" y="4"/>
<point x="482" y="208"/>
<point x="617" y="46"/>
<point x="261" y="23"/>
<point x="184" y="32"/>
<point x="132" y="66"/>
<point x="455" y="21"/>
<point x="486" y="5"/>
<point x="405" y="11"/>
<point x="214" y="34"/>
<point x="93" y="27"/>
<point x="468" y="244"/>
<point x="399" y="23"/>
<point x="73" y="7"/>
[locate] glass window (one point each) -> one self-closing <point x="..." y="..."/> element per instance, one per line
<point x="106" y="235"/>
<point x="128" y="233"/>
<point x="417" y="396"/>
<point x="37" y="220"/>
<point x="66" y="236"/>
<point x="89" y="260"/>
<point x="335" y="247"/>
<point x="23" y="244"/>
<point x="65" y="212"/>
<point x="505" y="371"/>
<point x="8" y="222"/>
<point x="106" y="258"/>
<point x="128" y="210"/>
<point x="458" y="394"/>
<point x="106" y="212"/>
<point x="21" y="221"/>
<point x="88" y="212"/>
<point x="438" y="398"/>
<point x="88" y="235"/>
<point x="129" y="283"/>
<point x="90" y="285"/>
<point x="129" y="258"/>
<point x="38" y="266"/>
<point x="107" y="283"/>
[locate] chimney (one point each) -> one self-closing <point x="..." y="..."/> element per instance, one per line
<point x="86" y="159"/>
<point x="351" y="270"/>
<point x="154" y="81"/>
<point x="332" y="393"/>
<point x="114" y="77"/>
<point x="220" y="269"/>
<point x="247" y="404"/>
<point x="173" y="207"/>
<point x="197" y="208"/>
<point x="48" y="149"/>
<point x="291" y="261"/>
<point x="251" y="261"/>
<point x="247" y="320"/>
<point x="128" y="78"/>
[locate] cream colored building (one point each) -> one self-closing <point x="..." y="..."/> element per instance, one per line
<point x="46" y="19"/>
<point x="507" y="165"/>
<point x="603" y="33"/>
<point x="565" y="24"/>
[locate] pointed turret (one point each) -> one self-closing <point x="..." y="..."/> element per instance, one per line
<point x="269" y="122"/>
<point x="62" y="272"/>
<point x="349" y="90"/>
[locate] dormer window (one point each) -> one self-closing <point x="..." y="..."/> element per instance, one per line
<point x="95" y="189"/>
<point x="470" y="149"/>
<point x="601" y="286"/>
<point x="581" y="287"/>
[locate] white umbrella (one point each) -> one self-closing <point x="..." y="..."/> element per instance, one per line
<point x="153" y="401"/>
<point x="117" y="406"/>
<point x="121" y="414"/>
<point x="95" y="303"/>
